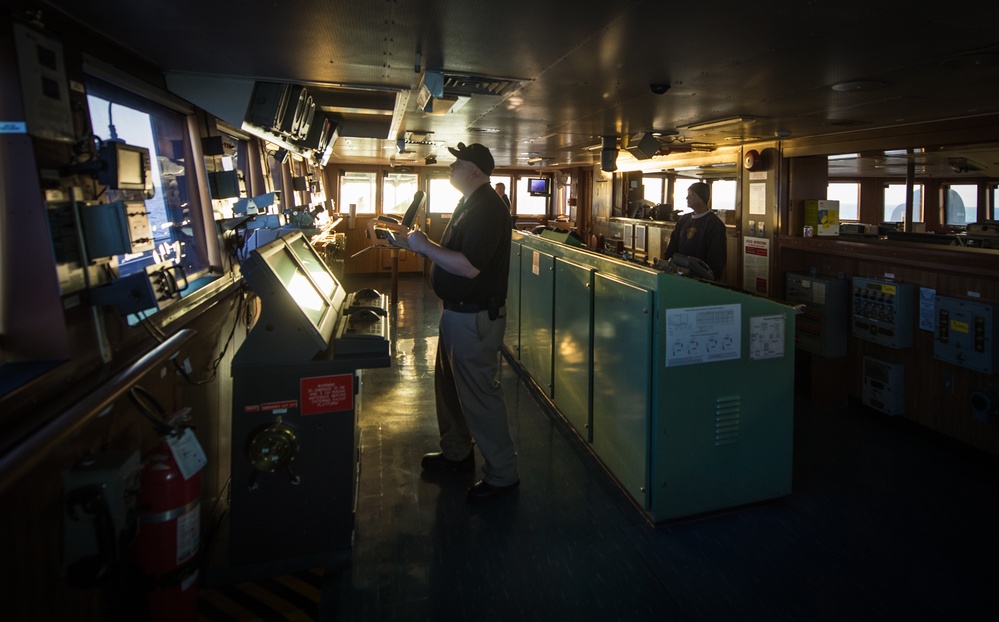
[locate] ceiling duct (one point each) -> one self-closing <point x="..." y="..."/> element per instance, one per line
<point x="608" y="154"/>
<point x="443" y="91"/>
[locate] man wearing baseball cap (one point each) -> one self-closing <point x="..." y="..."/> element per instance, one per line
<point x="469" y="275"/>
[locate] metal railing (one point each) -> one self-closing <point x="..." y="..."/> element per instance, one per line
<point x="19" y="455"/>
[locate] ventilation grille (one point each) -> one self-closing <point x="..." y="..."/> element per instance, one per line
<point x="728" y="418"/>
<point x="458" y="84"/>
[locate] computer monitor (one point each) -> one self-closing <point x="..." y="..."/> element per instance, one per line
<point x="300" y="298"/>
<point x="538" y="186"/>
<point x="125" y="167"/>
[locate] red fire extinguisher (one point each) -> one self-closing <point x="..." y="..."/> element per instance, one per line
<point x="169" y="536"/>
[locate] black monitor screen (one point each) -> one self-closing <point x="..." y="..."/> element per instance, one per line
<point x="125" y="167"/>
<point x="301" y="289"/>
<point x="314" y="265"/>
<point x="537" y="186"/>
<point x="300" y="299"/>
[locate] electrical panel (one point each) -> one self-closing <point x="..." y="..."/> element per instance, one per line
<point x="883" y="311"/>
<point x="884" y="386"/>
<point x="964" y="334"/>
<point x="821" y="327"/>
<point x="116" y="228"/>
<point x="151" y="289"/>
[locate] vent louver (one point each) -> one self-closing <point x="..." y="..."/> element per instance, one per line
<point x="728" y="413"/>
<point x="457" y="84"/>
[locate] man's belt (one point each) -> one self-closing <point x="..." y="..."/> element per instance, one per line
<point x="493" y="307"/>
<point x="464" y="307"/>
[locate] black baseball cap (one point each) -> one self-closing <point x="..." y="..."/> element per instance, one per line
<point x="476" y="154"/>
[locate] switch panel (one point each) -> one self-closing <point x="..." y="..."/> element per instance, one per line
<point x="964" y="334"/>
<point x="116" y="228"/>
<point x="883" y="312"/>
<point x="821" y="328"/>
<point x="884" y="386"/>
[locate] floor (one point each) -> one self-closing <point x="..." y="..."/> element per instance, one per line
<point x="884" y="522"/>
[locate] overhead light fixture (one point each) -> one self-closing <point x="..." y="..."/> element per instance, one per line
<point x="977" y="60"/>
<point x="859" y="85"/>
<point x="707" y="125"/>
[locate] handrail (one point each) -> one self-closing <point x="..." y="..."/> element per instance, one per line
<point x="25" y="453"/>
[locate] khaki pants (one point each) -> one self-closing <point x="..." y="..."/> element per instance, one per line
<point x="470" y="401"/>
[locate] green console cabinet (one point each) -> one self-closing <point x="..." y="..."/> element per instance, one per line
<point x="687" y="395"/>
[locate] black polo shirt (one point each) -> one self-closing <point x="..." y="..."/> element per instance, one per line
<point x="480" y="230"/>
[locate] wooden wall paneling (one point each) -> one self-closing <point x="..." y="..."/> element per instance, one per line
<point x="31" y="524"/>
<point x="950" y="271"/>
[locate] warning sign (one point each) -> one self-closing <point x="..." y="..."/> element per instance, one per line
<point x="324" y="394"/>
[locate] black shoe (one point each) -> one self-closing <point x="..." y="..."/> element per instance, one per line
<point x="483" y="490"/>
<point x="437" y="462"/>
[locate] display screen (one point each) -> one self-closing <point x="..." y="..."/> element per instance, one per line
<point x="537" y="186"/>
<point x="130" y="169"/>
<point x="314" y="265"/>
<point x="298" y="285"/>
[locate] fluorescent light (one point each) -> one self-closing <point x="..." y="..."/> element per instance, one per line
<point x="720" y="123"/>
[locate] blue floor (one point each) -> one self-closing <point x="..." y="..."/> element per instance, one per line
<point x="884" y="522"/>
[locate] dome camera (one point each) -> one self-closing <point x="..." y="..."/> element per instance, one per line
<point x="659" y="87"/>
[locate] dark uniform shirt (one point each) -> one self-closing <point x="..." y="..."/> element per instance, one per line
<point x="480" y="230"/>
<point x="703" y="238"/>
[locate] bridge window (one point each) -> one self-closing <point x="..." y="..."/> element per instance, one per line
<point x="178" y="231"/>
<point x="961" y="204"/>
<point x="895" y="203"/>
<point x="398" y="190"/>
<point x="358" y="189"/>
<point x="848" y="195"/>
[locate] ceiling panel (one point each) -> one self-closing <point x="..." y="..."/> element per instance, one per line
<point x="587" y="65"/>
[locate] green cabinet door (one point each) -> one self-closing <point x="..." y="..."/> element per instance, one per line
<point x="573" y="351"/>
<point x="537" y="299"/>
<point x="622" y="360"/>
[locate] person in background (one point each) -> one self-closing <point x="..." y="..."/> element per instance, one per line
<point x="469" y="274"/>
<point x="700" y="234"/>
<point x="501" y="191"/>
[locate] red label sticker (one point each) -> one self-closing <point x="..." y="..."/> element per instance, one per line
<point x="282" y="405"/>
<point x="324" y="394"/>
<point x="251" y="409"/>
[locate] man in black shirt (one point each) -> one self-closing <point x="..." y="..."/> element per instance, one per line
<point x="700" y="234"/>
<point x="469" y="275"/>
